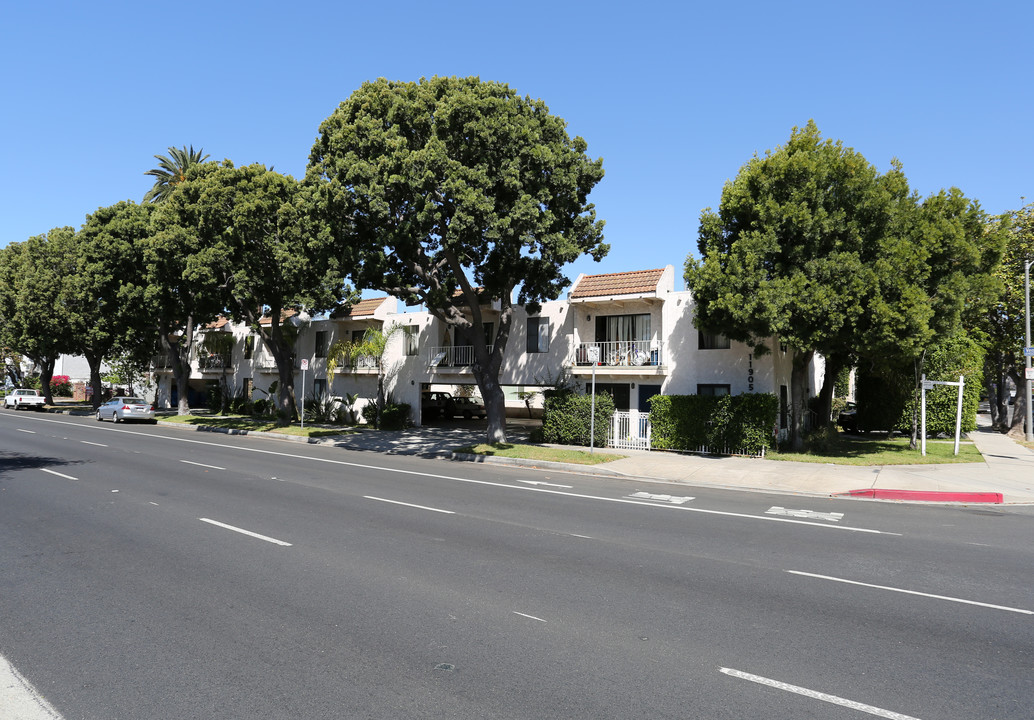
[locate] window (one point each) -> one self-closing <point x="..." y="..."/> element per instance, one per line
<point x="249" y="347"/>
<point x="713" y="341"/>
<point x="538" y="335"/>
<point x="321" y="344"/>
<point x="410" y="337"/>
<point x="357" y="336"/>
<point x="623" y="328"/>
<point x="714" y="390"/>
<point x="319" y="388"/>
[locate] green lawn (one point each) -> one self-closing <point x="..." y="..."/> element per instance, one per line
<point x="849" y="450"/>
<point x="537" y="452"/>
<point x="241" y="422"/>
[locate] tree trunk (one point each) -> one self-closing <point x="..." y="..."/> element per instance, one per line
<point x="829" y="378"/>
<point x="179" y="356"/>
<point x="46" y="375"/>
<point x="380" y="398"/>
<point x="95" y="379"/>
<point x="991" y="387"/>
<point x="799" y="400"/>
<point x="1017" y="424"/>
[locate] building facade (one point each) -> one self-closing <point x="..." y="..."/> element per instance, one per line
<point x="631" y="332"/>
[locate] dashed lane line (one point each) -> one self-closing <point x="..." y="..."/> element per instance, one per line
<point x="815" y="694"/>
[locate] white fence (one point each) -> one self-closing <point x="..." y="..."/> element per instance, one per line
<point x="629" y="430"/>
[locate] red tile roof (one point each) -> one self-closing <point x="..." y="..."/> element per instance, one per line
<point x="218" y="323"/>
<point x="625" y="283"/>
<point x="284" y="314"/>
<point x="363" y="308"/>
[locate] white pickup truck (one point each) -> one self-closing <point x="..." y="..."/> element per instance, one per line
<point x="19" y="399"/>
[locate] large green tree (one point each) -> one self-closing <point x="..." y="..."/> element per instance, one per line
<point x="32" y="322"/>
<point x="265" y="252"/>
<point x="789" y="252"/>
<point x="171" y="171"/>
<point x="103" y="298"/>
<point x="451" y="191"/>
<point x="184" y="271"/>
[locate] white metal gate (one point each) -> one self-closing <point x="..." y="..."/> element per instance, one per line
<point x="629" y="430"/>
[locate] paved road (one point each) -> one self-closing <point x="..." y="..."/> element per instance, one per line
<point x="151" y="572"/>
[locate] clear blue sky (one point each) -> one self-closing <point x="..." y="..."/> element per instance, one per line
<point x="675" y="97"/>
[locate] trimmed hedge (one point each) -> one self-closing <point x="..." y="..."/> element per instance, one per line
<point x="566" y="418"/>
<point x="736" y="422"/>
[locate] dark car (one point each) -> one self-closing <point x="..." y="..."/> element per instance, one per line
<point x="435" y="404"/>
<point x="848" y="418"/>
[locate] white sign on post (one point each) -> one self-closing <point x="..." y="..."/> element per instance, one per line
<point x="305" y="366"/>
<point x="1028" y="373"/>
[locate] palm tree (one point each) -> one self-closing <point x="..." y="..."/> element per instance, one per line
<point x="172" y="170"/>
<point x="372" y="348"/>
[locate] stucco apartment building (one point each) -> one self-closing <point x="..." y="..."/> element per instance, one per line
<point x="635" y="326"/>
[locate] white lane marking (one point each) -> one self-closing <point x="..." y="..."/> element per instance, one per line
<point x="587" y="537"/>
<point x="872" y="710"/>
<point x="87" y="442"/>
<point x="487" y="483"/>
<point x="214" y="467"/>
<point x="55" y="472"/>
<point x="912" y="592"/>
<point x="245" y="532"/>
<point x="673" y="499"/>
<point x="530" y="617"/>
<point x="31" y="432"/>
<point x="547" y="484"/>
<point x="421" y="507"/>
<point x="154" y="503"/>
<point x="19" y="698"/>
<point x="810" y="514"/>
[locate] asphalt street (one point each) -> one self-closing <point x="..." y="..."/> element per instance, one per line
<point x="154" y="572"/>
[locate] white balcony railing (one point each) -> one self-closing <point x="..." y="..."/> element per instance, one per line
<point x="450" y="356"/>
<point x="623" y="353"/>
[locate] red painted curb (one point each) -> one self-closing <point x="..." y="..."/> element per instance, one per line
<point x="927" y="495"/>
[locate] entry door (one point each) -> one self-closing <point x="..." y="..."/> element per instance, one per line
<point x="645" y="393"/>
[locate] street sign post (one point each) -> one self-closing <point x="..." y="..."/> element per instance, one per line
<point x="305" y="366"/>
<point x="593" y="354"/>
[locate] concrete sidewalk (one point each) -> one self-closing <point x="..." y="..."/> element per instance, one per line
<point x="1008" y="467"/>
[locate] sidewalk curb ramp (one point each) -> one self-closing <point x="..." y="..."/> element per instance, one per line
<point x="926" y="495"/>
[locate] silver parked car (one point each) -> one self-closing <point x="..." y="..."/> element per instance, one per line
<point x="120" y="409"/>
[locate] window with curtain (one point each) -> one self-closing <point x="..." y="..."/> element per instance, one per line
<point x="321" y="344"/>
<point x="410" y="339"/>
<point x="713" y="341"/>
<point x="538" y="335"/>
<point x="623" y="328"/>
<point x="713" y="389"/>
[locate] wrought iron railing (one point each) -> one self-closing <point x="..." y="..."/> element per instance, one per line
<point x="628" y="353"/>
<point x="451" y="356"/>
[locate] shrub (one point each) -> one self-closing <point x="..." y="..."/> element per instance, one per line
<point x="688" y="422"/>
<point x="60" y="385"/>
<point x="320" y="409"/>
<point x="567" y="418"/>
<point x="394" y="415"/>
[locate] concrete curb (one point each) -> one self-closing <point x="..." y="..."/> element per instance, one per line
<point x="925" y="497"/>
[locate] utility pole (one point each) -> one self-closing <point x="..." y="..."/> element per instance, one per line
<point x="1028" y="436"/>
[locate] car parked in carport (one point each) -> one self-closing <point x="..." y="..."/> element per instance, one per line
<point x="121" y="409"/>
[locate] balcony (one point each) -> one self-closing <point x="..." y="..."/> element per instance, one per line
<point x="624" y="357"/>
<point x="451" y="358"/>
<point x="214" y="362"/>
<point x="161" y="363"/>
